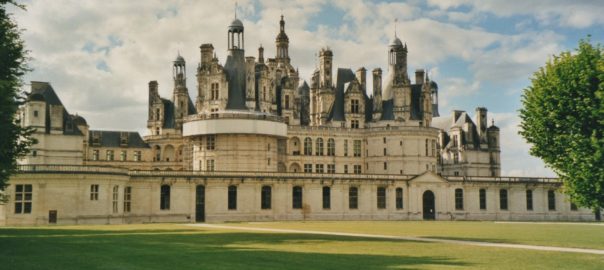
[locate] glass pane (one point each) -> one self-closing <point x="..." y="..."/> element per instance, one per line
<point x="27" y="208"/>
<point x="28" y="196"/>
<point x="18" y="208"/>
<point x="19" y="188"/>
<point x="19" y="197"/>
<point x="28" y="188"/>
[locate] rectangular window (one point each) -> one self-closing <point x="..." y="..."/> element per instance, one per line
<point x="232" y="201"/>
<point x="95" y="155"/>
<point x="433" y="148"/>
<point x="385" y="166"/>
<point x="381" y="198"/>
<point x="164" y="198"/>
<point x="529" y="199"/>
<point x="326" y="197"/>
<point x="353" y="198"/>
<point x="399" y="198"/>
<point x="127" y="199"/>
<point x="116" y="190"/>
<point x="307" y="168"/>
<point x="345" y="148"/>
<point x="331" y="168"/>
<point x="345" y="168"/>
<point x="211" y="142"/>
<point x="551" y="200"/>
<point x="458" y="199"/>
<point x="354" y="106"/>
<point x="23" y="199"/>
<point x="455" y="158"/>
<point x="426" y="147"/>
<point x="265" y="200"/>
<point x="385" y="152"/>
<point x="210" y="165"/>
<point x="483" y="199"/>
<point x="94" y="192"/>
<point x="357" y="148"/>
<point x="319" y="168"/>
<point x="354" y="123"/>
<point x="297" y="197"/>
<point x="123" y="155"/>
<point x="503" y="199"/>
<point x="35" y="113"/>
<point x="137" y="155"/>
<point x="109" y="155"/>
<point x="357" y="169"/>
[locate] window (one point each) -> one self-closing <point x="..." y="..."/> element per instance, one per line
<point x="433" y="148"/>
<point x="326" y="197"/>
<point x="127" y="199"/>
<point x="345" y="148"/>
<point x="482" y="198"/>
<point x="297" y="197"/>
<point x="353" y="198"/>
<point x="354" y="123"/>
<point x="345" y="168"/>
<point x="354" y="106"/>
<point x="265" y="197"/>
<point x="319" y="168"/>
<point x="503" y="199"/>
<point x="357" y="169"/>
<point x="455" y="158"/>
<point x="319" y="146"/>
<point x="385" y="166"/>
<point x="573" y="206"/>
<point x="331" y="168"/>
<point x="157" y="113"/>
<point x="23" y="199"/>
<point x="35" y="113"/>
<point x="454" y="140"/>
<point x="210" y="165"/>
<point x="331" y="147"/>
<point x="156" y="131"/>
<point x="286" y="102"/>
<point x="214" y="91"/>
<point x="211" y="142"/>
<point x="164" y="198"/>
<point x="232" y="200"/>
<point x="34" y="153"/>
<point x="529" y="199"/>
<point x="385" y="152"/>
<point x="458" y="199"/>
<point x="94" y="192"/>
<point x="109" y="155"/>
<point x="384" y="139"/>
<point x="307" y="146"/>
<point x="551" y="200"/>
<point x="426" y="147"/>
<point x="307" y="168"/>
<point x="357" y="148"/>
<point x="381" y="198"/>
<point x="116" y="190"/>
<point x="123" y="155"/>
<point x="137" y="155"/>
<point x="399" y="198"/>
<point x="95" y="155"/>
<point x="456" y="173"/>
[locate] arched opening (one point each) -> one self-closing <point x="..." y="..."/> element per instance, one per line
<point x="295" y="167"/>
<point x="429" y="210"/>
<point x="169" y="153"/>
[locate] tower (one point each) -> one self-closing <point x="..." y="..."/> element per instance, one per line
<point x="397" y="61"/>
<point x="282" y="42"/>
<point x="325" y="64"/>
<point x="180" y="96"/>
<point x="235" y="66"/>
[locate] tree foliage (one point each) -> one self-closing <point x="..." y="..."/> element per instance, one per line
<point x="563" y="120"/>
<point x="14" y="139"/>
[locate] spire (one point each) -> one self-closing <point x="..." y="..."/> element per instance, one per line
<point x="282" y="23"/>
<point x="235" y="10"/>
<point x="395" y="21"/>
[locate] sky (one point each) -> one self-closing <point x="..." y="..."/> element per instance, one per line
<point x="100" y="55"/>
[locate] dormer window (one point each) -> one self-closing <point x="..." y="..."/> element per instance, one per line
<point x="96" y="138"/>
<point x="123" y="139"/>
<point x="354" y="106"/>
<point x="35" y="113"/>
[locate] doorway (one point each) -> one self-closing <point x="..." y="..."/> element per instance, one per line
<point x="52" y="217"/>
<point x="200" y="199"/>
<point x="428" y="203"/>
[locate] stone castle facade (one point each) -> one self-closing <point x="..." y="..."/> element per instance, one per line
<point x="260" y="143"/>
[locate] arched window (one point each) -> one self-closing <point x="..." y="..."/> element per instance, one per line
<point x="265" y="200"/>
<point x="381" y="198"/>
<point x="307" y="146"/>
<point x="157" y="153"/>
<point x="399" y="198"/>
<point x="331" y="147"/>
<point x="319" y="147"/>
<point x="157" y="113"/>
<point x="164" y="197"/>
<point x="232" y="200"/>
<point x="353" y="198"/>
<point x="458" y="199"/>
<point x="297" y="197"/>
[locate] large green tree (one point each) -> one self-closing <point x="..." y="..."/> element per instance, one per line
<point x="563" y="120"/>
<point x="14" y="140"/>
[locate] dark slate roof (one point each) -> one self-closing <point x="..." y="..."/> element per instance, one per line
<point x="191" y="108"/>
<point x="113" y="139"/>
<point x="388" y="109"/>
<point x="304" y="90"/>
<point x="168" y="113"/>
<point x="48" y="94"/>
<point x="345" y="75"/>
<point x="416" y="104"/>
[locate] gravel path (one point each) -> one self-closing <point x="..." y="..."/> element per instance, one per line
<point x="409" y="238"/>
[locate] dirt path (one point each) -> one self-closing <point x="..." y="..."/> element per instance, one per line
<point x="409" y="238"/>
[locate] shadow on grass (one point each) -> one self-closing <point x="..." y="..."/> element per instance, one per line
<point x="196" y="249"/>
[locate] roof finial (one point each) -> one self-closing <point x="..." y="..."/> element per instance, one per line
<point x="492" y="121"/>
<point x="395" y="21"/>
<point x="235" y="10"/>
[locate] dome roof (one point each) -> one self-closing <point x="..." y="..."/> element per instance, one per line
<point x="236" y="25"/>
<point x="282" y="36"/>
<point x="36" y="97"/>
<point x="396" y="42"/>
<point x="79" y="121"/>
<point x="179" y="59"/>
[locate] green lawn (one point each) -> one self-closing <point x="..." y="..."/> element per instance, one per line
<point x="172" y="246"/>
<point x="580" y="235"/>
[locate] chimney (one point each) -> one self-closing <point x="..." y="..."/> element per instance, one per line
<point x="362" y="77"/>
<point x="419" y="76"/>
<point x="481" y="120"/>
<point x="261" y="55"/>
<point x="207" y="53"/>
<point x="377" y="82"/>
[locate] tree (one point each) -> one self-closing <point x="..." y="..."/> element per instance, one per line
<point x="563" y="120"/>
<point x="14" y="139"/>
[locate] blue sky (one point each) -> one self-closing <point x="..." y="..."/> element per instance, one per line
<point x="100" y="55"/>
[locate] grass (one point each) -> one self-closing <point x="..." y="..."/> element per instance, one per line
<point x="171" y="246"/>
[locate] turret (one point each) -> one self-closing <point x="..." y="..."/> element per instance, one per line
<point x="261" y="55"/>
<point x="397" y="60"/>
<point x="325" y="67"/>
<point x="180" y="96"/>
<point x="282" y="42"/>
<point x="235" y="67"/>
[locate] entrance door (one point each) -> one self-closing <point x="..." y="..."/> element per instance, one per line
<point x="52" y="217"/>
<point x="200" y="201"/>
<point x="428" y="202"/>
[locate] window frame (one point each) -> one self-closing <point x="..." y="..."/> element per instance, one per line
<point x="381" y="197"/>
<point x="297" y="197"/>
<point x="353" y="198"/>
<point x="399" y="198"/>
<point x="164" y="197"/>
<point x="24" y="195"/>
<point x="232" y="197"/>
<point x="266" y="197"/>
